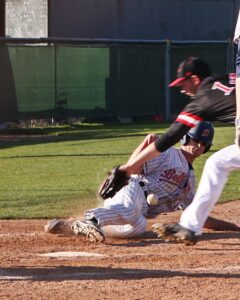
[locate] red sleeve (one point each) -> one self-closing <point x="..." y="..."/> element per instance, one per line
<point x="188" y="119"/>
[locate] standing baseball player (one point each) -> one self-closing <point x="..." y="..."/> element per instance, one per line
<point x="212" y="98"/>
<point x="215" y="173"/>
<point x="166" y="183"/>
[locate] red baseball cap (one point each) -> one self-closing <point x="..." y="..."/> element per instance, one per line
<point x="191" y="66"/>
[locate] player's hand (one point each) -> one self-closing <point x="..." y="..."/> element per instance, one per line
<point x="125" y="168"/>
<point x="237" y="136"/>
<point x="115" y="180"/>
<point x="152" y="137"/>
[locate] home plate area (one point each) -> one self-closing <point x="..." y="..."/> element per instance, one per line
<point x="73" y="254"/>
<point x="38" y="265"/>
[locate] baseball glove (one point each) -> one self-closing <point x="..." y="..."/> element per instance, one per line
<point x="115" y="180"/>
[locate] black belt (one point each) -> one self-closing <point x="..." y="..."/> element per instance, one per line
<point x="142" y="184"/>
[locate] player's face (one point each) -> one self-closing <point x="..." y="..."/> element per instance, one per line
<point x="195" y="147"/>
<point x="188" y="87"/>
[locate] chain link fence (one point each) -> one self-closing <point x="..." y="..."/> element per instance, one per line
<point x="98" y="79"/>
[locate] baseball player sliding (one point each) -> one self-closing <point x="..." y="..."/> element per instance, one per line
<point x="165" y="183"/>
<point x="212" y="98"/>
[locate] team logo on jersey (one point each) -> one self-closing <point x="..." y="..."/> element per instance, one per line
<point x="174" y="177"/>
<point x="219" y="86"/>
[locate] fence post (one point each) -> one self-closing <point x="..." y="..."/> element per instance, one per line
<point x="167" y="80"/>
<point x="55" y="74"/>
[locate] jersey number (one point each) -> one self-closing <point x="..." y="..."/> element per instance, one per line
<point x="219" y="86"/>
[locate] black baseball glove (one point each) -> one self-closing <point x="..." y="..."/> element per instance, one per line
<point x="115" y="180"/>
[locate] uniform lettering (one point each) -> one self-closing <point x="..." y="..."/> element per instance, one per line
<point x="219" y="86"/>
<point x="171" y="175"/>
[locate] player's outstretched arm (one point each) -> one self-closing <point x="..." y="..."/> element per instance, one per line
<point x="150" y="138"/>
<point x="134" y="165"/>
<point x="176" y="131"/>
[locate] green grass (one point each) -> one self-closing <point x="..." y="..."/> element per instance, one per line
<point x="58" y="174"/>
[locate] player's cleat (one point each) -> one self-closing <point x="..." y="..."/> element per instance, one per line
<point x="175" y="232"/>
<point x="89" y="229"/>
<point x="55" y="226"/>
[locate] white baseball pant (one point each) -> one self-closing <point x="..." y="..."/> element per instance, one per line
<point x="214" y="177"/>
<point x="123" y="215"/>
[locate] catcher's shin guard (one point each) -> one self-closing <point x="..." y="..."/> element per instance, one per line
<point x="88" y="229"/>
<point x="175" y="232"/>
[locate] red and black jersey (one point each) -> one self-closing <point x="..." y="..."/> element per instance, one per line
<point x="215" y="100"/>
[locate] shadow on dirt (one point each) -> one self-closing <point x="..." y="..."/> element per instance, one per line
<point x="213" y="236"/>
<point x="63" y="273"/>
<point x="151" y="238"/>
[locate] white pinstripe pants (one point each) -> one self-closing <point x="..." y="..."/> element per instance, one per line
<point x="123" y="215"/>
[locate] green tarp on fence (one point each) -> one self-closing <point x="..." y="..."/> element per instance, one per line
<point x="98" y="81"/>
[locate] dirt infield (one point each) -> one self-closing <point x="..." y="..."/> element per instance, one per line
<point x="144" y="268"/>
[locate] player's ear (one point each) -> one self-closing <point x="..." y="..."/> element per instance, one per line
<point x="196" y="80"/>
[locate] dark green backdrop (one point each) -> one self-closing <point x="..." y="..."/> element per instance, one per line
<point x="100" y="81"/>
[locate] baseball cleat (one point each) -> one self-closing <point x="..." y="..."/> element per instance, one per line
<point x="175" y="232"/>
<point x="87" y="228"/>
<point x="54" y="226"/>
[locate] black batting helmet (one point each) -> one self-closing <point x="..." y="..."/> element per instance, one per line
<point x="202" y="132"/>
